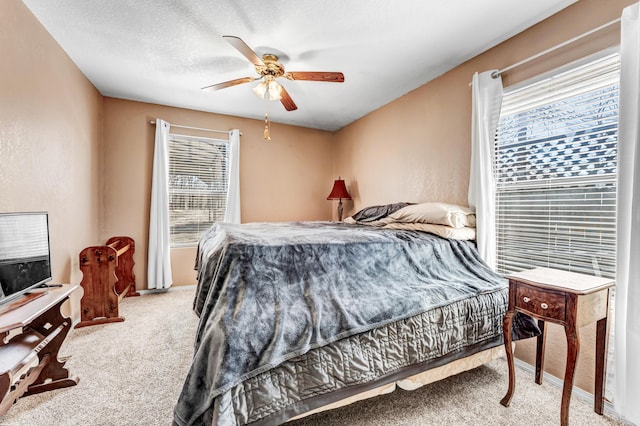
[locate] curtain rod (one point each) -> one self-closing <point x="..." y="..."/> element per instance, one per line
<point x="551" y="49"/>
<point x="228" y="132"/>
<point x="496" y="74"/>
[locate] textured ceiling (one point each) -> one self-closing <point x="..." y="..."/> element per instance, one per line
<point x="164" y="51"/>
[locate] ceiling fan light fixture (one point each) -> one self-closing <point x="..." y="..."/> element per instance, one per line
<point x="275" y="91"/>
<point x="261" y="89"/>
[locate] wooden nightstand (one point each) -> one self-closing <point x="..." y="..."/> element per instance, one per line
<point x="570" y="299"/>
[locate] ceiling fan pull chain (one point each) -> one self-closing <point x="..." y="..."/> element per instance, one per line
<point x="266" y="127"/>
<point x="267" y="123"/>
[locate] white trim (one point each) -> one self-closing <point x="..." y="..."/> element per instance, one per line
<point x="166" y="290"/>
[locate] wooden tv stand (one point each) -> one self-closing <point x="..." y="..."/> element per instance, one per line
<point x="29" y="361"/>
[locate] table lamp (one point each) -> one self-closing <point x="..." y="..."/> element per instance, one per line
<point x="338" y="192"/>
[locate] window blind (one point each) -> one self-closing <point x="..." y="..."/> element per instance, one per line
<point x="555" y="167"/>
<point x="198" y="185"/>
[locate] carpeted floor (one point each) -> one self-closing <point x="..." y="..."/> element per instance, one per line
<point x="131" y="374"/>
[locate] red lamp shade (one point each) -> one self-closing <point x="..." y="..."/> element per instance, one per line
<point x="339" y="191"/>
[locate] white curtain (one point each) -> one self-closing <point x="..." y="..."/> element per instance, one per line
<point x="626" y="397"/>
<point x="486" y="104"/>
<point x="159" y="259"/>
<point x="232" y="213"/>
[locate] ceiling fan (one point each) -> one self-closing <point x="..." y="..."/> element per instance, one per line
<point x="269" y="69"/>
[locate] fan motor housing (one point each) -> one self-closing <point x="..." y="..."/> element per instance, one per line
<point x="271" y="66"/>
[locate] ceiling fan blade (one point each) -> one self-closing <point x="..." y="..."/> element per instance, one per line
<point x="246" y="51"/>
<point x="228" y="84"/>
<point x="333" y="77"/>
<point x="286" y="100"/>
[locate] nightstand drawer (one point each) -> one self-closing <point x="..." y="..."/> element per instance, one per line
<point x="547" y="304"/>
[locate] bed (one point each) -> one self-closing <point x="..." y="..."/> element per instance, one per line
<point x="297" y="316"/>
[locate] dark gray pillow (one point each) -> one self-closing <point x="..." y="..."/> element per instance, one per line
<point x="370" y="214"/>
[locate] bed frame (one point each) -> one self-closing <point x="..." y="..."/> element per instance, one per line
<point x="417" y="380"/>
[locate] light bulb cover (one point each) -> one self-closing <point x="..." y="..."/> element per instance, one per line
<point x="275" y="91"/>
<point x="261" y="89"/>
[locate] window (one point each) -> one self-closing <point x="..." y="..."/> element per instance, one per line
<point x="555" y="166"/>
<point x="198" y="184"/>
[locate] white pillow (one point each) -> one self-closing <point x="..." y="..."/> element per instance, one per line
<point x="436" y="213"/>
<point x="443" y="231"/>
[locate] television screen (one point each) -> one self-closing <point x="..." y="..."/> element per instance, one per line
<point x="25" y="260"/>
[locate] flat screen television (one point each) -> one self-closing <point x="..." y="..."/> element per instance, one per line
<point x="25" y="258"/>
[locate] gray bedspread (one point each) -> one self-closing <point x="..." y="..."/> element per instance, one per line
<point x="270" y="292"/>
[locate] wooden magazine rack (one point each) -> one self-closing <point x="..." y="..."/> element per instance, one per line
<point x="107" y="277"/>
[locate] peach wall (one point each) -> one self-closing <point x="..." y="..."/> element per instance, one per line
<point x="50" y="137"/>
<point x="417" y="148"/>
<point x="285" y="179"/>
